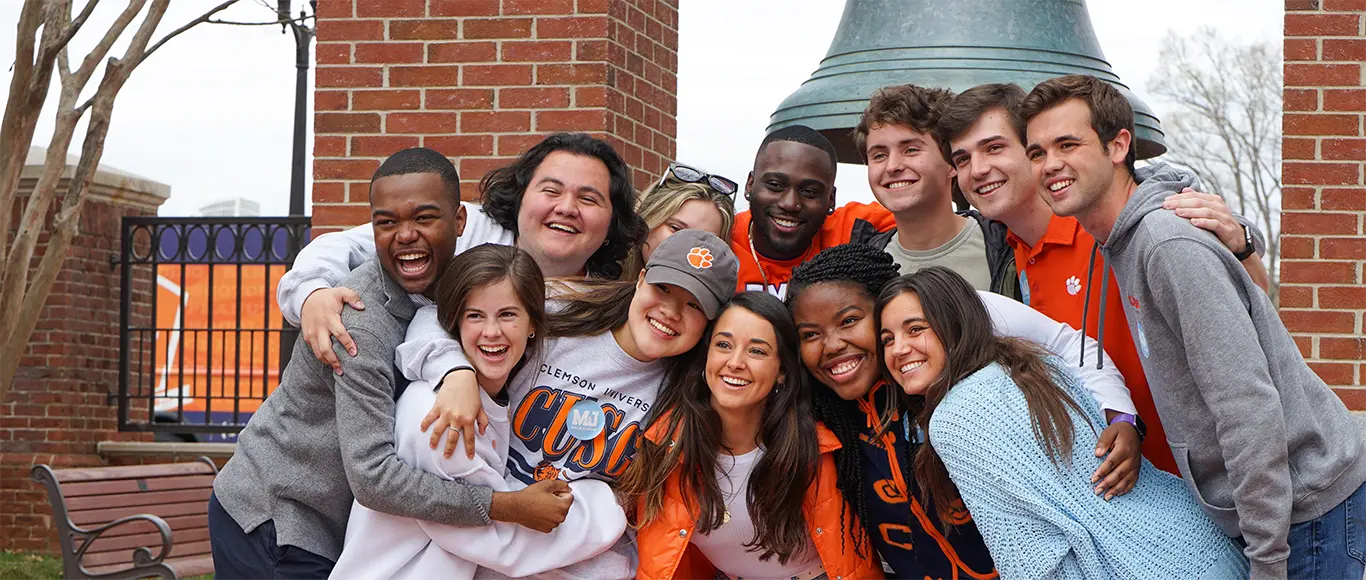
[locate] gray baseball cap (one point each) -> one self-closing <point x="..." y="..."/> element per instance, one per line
<point x="699" y="262"/>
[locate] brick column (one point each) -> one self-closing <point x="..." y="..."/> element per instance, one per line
<point x="1323" y="248"/>
<point x="482" y="80"/>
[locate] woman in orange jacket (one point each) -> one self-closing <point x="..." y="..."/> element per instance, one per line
<point x="735" y="467"/>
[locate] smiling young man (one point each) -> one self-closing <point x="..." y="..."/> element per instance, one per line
<point x="280" y="505"/>
<point x="792" y="214"/>
<point x="983" y="135"/>
<point x="1265" y="446"/>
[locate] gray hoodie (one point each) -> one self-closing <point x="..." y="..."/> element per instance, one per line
<point x="1261" y="441"/>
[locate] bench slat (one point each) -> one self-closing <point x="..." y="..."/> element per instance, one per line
<point x="137" y="499"/>
<point x="178" y="524"/>
<point x="187" y="550"/>
<point x="184" y="567"/>
<point x="74" y="490"/>
<point x="128" y="542"/>
<point x="132" y="471"/>
<point x="86" y="518"/>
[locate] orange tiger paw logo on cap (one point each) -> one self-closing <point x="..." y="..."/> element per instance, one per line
<point x="700" y="258"/>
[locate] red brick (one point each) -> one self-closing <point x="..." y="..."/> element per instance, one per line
<point x="1321" y="24"/>
<point x="590" y="50"/>
<point x="386" y="100"/>
<point x="537" y="51"/>
<point x="421" y="123"/>
<point x="1297" y="248"/>
<point x="1296" y="296"/>
<point x="345" y="123"/>
<point x="1353" y="398"/>
<point x="497" y="75"/>
<point x="330" y="100"/>
<point x="462" y="52"/>
<point x="333" y="53"/>
<point x="328" y="192"/>
<point x="390" y="8"/>
<point x="350" y="29"/>
<point x="1322" y="75"/>
<point x="1336" y="374"/>
<point x="1319" y="272"/>
<point x="495" y="121"/>
<point x="516" y="144"/>
<point x="1351" y="50"/>
<point x="349" y="76"/>
<point x="476" y="167"/>
<point x="1342" y="297"/>
<point x="580" y="120"/>
<point x="462" y="7"/>
<point x="389" y="52"/>
<point x="538" y="6"/>
<point x="572" y="27"/>
<point x="1292" y="148"/>
<point x="424" y="76"/>
<point x="1297" y="198"/>
<point x="344" y="168"/>
<point x="533" y="98"/>
<point x="461" y="145"/>
<point x="1344" y="149"/>
<point x="1344" y="199"/>
<point x="329" y="146"/>
<point x="1321" y="173"/>
<point x="424" y="29"/>
<point x="593" y="6"/>
<point x="590" y="96"/>
<point x="380" y="145"/>
<point x="1345" y="5"/>
<point x="459" y="98"/>
<point x="1343" y="248"/>
<point x="571" y="74"/>
<point x="1301" y="49"/>
<point x="498" y="28"/>
<point x="332" y="9"/>
<point x="1342" y="348"/>
<point x="1319" y="223"/>
<point x="1311" y="321"/>
<point x="349" y="215"/>
<point x="1321" y="124"/>
<point x="1352" y="100"/>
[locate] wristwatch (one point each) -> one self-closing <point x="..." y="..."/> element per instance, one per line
<point x="1248" y="249"/>
<point x="1134" y="420"/>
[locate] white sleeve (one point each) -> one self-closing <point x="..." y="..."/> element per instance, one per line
<point x="428" y="352"/>
<point x="592" y="526"/>
<point x="1016" y="320"/>
<point x="323" y="263"/>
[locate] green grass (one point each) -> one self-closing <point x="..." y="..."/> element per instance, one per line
<point x="26" y="566"/>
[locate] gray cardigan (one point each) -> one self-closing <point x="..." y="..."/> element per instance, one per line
<point x="320" y="437"/>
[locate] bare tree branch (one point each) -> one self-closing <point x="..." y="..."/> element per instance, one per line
<point x="191" y="24"/>
<point x="299" y="20"/>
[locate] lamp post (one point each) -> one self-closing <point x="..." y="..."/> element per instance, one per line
<point x="303" y="36"/>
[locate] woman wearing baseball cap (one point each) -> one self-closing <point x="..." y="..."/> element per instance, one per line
<point x="577" y="408"/>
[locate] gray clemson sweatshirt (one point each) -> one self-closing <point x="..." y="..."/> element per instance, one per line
<point x="1261" y="441"/>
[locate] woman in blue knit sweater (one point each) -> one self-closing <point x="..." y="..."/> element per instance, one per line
<point x="1012" y="436"/>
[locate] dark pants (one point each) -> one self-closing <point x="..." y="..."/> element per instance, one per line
<point x="241" y="555"/>
<point x="1333" y="545"/>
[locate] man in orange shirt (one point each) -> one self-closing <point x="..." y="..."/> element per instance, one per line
<point x="792" y="215"/>
<point x="982" y="135"/>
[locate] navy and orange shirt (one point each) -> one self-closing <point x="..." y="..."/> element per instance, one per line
<point x="908" y="536"/>
<point x="1054" y="278"/>
<point x="772" y="277"/>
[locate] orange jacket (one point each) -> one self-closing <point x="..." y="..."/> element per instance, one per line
<point x="664" y="540"/>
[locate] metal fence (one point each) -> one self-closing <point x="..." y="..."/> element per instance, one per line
<point x="216" y="342"/>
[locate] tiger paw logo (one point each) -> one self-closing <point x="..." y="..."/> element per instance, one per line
<point x="1073" y="285"/>
<point x="700" y="258"/>
<point x="546" y="471"/>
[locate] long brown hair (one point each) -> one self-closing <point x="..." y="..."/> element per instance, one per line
<point x="590" y="307"/>
<point x="778" y="484"/>
<point x="489" y="264"/>
<point x="960" y="320"/>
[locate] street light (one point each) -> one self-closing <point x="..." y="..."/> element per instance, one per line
<point x="303" y="36"/>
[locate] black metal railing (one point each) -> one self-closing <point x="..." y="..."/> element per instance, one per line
<point x="202" y="341"/>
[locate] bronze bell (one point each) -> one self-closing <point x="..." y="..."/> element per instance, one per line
<point x="955" y="44"/>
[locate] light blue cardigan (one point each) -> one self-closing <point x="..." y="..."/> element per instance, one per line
<point x="1043" y="521"/>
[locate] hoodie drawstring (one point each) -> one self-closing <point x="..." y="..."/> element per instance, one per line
<point x="1086" y="308"/>
<point x="1086" y="304"/>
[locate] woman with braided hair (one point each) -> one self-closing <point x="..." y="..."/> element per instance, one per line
<point x="831" y="298"/>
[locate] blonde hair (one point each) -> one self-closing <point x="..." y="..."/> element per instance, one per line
<point x="662" y="200"/>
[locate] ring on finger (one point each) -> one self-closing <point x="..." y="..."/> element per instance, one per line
<point x="456" y="429"/>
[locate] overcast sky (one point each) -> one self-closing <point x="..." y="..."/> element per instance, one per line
<point x="211" y="113"/>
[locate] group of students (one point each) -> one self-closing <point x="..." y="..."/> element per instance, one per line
<point x="570" y="381"/>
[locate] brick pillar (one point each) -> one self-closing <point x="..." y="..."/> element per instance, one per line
<point x="62" y="403"/>
<point x="1323" y="248"/>
<point x="481" y="81"/>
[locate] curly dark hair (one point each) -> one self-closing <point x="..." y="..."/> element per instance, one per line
<point x="864" y="269"/>
<point x="501" y="193"/>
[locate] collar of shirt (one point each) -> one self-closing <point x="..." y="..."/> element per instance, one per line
<point x="1061" y="230"/>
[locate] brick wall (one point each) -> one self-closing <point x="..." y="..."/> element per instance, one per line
<point x="60" y="406"/>
<point x="481" y="81"/>
<point x="1323" y="248"/>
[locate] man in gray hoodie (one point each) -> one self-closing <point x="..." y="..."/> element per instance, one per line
<point x="1264" y="445"/>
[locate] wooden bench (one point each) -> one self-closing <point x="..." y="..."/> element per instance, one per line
<point x="132" y="522"/>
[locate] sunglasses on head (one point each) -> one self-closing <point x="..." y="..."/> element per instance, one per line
<point x="688" y="174"/>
